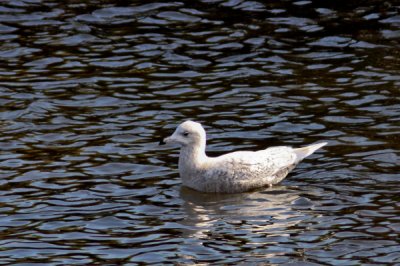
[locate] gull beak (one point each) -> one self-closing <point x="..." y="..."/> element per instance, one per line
<point x="171" y="139"/>
<point x="164" y="141"/>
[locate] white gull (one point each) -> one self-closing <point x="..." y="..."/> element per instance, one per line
<point x="232" y="172"/>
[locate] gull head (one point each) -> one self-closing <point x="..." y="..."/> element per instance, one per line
<point x="187" y="134"/>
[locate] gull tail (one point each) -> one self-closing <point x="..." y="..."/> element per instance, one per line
<point x="307" y="151"/>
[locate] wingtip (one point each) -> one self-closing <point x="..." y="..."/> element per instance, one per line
<point x="316" y="146"/>
<point x="308" y="150"/>
<point x="322" y="144"/>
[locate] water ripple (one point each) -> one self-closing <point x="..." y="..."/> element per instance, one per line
<point x="87" y="89"/>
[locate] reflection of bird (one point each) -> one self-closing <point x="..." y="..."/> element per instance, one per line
<point x="233" y="172"/>
<point x="273" y="212"/>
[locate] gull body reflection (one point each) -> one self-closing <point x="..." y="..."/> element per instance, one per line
<point x="270" y="212"/>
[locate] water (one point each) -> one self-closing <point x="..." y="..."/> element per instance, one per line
<point x="87" y="88"/>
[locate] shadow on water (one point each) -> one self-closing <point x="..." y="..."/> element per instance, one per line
<point x="87" y="87"/>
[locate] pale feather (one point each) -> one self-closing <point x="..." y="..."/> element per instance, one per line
<point x="233" y="172"/>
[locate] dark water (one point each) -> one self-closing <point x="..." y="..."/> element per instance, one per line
<point x="88" y="87"/>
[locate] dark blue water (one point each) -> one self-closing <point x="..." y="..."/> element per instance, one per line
<point x="87" y="88"/>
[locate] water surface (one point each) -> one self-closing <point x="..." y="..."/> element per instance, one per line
<point x="88" y="87"/>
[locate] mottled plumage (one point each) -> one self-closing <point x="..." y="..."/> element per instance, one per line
<point x="233" y="172"/>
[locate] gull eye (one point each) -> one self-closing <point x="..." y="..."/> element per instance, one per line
<point x="185" y="133"/>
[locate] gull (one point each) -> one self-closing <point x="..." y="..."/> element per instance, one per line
<point x="233" y="172"/>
